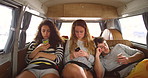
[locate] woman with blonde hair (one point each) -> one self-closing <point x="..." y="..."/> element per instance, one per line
<point x="79" y="52"/>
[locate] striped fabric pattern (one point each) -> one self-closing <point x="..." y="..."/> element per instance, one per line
<point x="58" y="52"/>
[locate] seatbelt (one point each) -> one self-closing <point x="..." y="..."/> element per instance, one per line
<point x="124" y="66"/>
<point x="115" y="73"/>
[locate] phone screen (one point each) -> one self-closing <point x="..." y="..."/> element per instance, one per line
<point x="45" y="41"/>
<point x="77" y="49"/>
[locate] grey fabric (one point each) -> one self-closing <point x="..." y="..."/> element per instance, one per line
<point x="102" y="26"/>
<point x="58" y="23"/>
<point x="110" y="61"/>
<point x="113" y="24"/>
<point x="117" y="24"/>
<point x="89" y="62"/>
<point x="26" y="22"/>
<point x="10" y="42"/>
<point x="145" y="19"/>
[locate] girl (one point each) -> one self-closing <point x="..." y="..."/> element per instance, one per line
<point x="45" y="53"/>
<point x="79" y="52"/>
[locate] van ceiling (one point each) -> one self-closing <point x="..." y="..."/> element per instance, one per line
<point x="115" y="3"/>
<point x="130" y="7"/>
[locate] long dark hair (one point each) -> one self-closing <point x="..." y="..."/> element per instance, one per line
<point x="54" y="38"/>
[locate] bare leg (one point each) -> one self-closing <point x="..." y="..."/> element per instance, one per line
<point x="50" y="76"/>
<point x="73" y="71"/>
<point x="26" y="74"/>
<point x="88" y="74"/>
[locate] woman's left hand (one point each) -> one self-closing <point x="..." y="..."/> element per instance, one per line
<point x="82" y="53"/>
<point x="40" y="54"/>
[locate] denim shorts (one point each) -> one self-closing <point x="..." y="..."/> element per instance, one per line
<point x="40" y="73"/>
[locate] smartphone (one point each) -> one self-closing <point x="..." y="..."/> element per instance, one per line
<point x="45" y="41"/>
<point x="77" y="49"/>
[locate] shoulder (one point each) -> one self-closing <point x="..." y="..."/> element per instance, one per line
<point x="60" y="45"/>
<point x="121" y="45"/>
<point x="32" y="45"/>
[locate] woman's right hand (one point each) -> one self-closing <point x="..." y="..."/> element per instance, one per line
<point x="80" y="53"/>
<point x="42" y="47"/>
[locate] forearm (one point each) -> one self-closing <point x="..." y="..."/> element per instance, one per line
<point x="46" y="55"/>
<point x="71" y="56"/>
<point x="91" y="58"/>
<point x="34" y="53"/>
<point x="98" y="68"/>
<point x="136" y="57"/>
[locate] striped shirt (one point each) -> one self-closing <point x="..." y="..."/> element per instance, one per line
<point x="41" y="60"/>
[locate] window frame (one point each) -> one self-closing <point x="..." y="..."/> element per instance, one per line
<point x="10" y="7"/>
<point x="134" y="42"/>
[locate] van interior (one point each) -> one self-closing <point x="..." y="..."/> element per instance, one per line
<point x="118" y="21"/>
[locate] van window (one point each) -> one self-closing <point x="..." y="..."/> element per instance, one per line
<point x="94" y="29"/>
<point x="133" y="29"/>
<point x="31" y="31"/>
<point x="5" y="22"/>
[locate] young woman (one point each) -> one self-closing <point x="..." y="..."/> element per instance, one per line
<point x="45" y="53"/>
<point x="79" y="52"/>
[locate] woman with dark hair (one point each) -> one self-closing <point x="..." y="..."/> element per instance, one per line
<point x="79" y="52"/>
<point x="45" y="54"/>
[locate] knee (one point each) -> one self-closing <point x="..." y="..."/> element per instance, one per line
<point x="72" y="69"/>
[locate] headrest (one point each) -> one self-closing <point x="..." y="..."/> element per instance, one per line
<point x="112" y="34"/>
<point x="65" y="37"/>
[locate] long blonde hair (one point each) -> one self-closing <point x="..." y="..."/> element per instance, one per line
<point x="87" y="39"/>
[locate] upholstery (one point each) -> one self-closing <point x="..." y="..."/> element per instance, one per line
<point x="112" y="43"/>
<point x="5" y="70"/>
<point x="65" y="37"/>
<point x="112" y="34"/>
<point x="21" y="60"/>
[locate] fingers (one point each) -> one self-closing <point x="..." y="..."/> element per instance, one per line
<point x="43" y="46"/>
<point x="122" y="59"/>
<point x="99" y="49"/>
<point x="119" y="55"/>
<point x="98" y="52"/>
<point x="81" y="53"/>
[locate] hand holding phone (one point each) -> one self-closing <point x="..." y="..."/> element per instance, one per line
<point x="45" y="41"/>
<point x="77" y="49"/>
